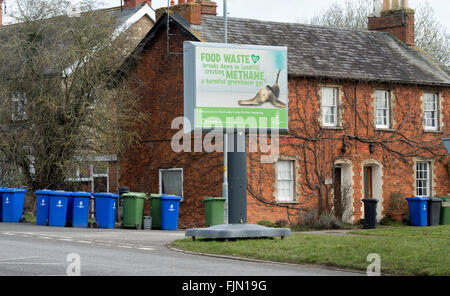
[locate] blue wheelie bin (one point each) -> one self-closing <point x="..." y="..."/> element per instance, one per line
<point x="80" y="207"/>
<point x="170" y="205"/>
<point x="13" y="200"/>
<point x="58" y="207"/>
<point x="418" y="210"/>
<point x="42" y="206"/>
<point x="105" y="209"/>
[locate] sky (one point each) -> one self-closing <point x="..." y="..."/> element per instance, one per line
<point x="300" y="11"/>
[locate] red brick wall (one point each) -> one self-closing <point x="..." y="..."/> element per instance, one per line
<point x="314" y="149"/>
<point x="162" y="92"/>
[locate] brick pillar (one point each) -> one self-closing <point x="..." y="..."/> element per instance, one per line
<point x="134" y="3"/>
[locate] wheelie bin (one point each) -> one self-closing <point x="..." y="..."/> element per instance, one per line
<point x="155" y="210"/>
<point x="370" y="213"/>
<point x="105" y="209"/>
<point x="444" y="218"/>
<point x="214" y="210"/>
<point x="434" y="211"/>
<point x="58" y="207"/>
<point x="133" y="209"/>
<point x="80" y="209"/>
<point x="418" y="210"/>
<point x="42" y="206"/>
<point x="170" y="205"/>
<point x="13" y="200"/>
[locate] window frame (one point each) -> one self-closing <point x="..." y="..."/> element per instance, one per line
<point x="435" y="97"/>
<point x="387" y="98"/>
<point x="428" y="186"/>
<point x="335" y="106"/>
<point x="291" y="198"/>
<point x="20" y="113"/>
<point x="182" y="180"/>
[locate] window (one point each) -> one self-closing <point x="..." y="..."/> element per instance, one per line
<point x="423" y="179"/>
<point x="285" y="180"/>
<point x="431" y="111"/>
<point x="329" y="106"/>
<point x="171" y="182"/>
<point x="382" y="109"/>
<point x="18" y="112"/>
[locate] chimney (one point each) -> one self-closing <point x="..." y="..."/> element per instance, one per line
<point x="134" y="3"/>
<point x="191" y="10"/>
<point x="395" y="18"/>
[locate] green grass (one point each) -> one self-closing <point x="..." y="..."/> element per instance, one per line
<point x="403" y="250"/>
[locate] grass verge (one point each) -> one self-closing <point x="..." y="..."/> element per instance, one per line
<point x="403" y="250"/>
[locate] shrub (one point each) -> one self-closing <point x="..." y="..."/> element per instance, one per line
<point x="266" y="223"/>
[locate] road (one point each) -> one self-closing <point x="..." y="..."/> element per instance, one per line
<point x="32" y="250"/>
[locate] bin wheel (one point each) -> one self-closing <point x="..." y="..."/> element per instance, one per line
<point x="137" y="226"/>
<point x="94" y="225"/>
<point x="121" y="226"/>
<point x="22" y="219"/>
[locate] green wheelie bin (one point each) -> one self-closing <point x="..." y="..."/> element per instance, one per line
<point x="133" y="209"/>
<point x="214" y="210"/>
<point x="155" y="211"/>
<point x="445" y="211"/>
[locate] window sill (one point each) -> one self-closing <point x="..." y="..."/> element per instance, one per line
<point x="432" y="131"/>
<point x="287" y="202"/>
<point x="332" y="127"/>
<point x="384" y="129"/>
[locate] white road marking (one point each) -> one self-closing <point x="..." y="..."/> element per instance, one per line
<point x="146" y="249"/>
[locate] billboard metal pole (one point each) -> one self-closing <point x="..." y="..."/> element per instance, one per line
<point x="225" y="136"/>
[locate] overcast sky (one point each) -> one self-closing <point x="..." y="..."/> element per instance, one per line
<point x="288" y="10"/>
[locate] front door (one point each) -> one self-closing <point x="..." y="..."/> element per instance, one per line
<point x="368" y="182"/>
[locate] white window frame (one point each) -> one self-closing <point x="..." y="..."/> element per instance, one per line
<point x="287" y="179"/>
<point x="431" y="107"/>
<point x="18" y="114"/>
<point x="423" y="178"/>
<point x="382" y="96"/>
<point x="330" y="107"/>
<point x="182" y="180"/>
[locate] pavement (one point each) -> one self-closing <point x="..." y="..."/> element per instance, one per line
<point x="29" y="249"/>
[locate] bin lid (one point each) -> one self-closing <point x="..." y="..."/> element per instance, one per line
<point x="43" y="191"/>
<point x="370" y="200"/>
<point x="435" y="199"/>
<point x="58" y="193"/>
<point x="13" y="190"/>
<point x="444" y="198"/>
<point x="155" y="195"/>
<point x="417" y="198"/>
<point x="134" y="195"/>
<point x="81" y="194"/>
<point x="170" y="197"/>
<point x="214" y="199"/>
<point x="105" y="194"/>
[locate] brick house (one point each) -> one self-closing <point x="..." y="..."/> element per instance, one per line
<point x="367" y="114"/>
<point x="99" y="172"/>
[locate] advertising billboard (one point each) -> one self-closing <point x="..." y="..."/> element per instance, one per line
<point x="235" y="86"/>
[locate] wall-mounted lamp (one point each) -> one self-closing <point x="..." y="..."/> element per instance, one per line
<point x="371" y="148"/>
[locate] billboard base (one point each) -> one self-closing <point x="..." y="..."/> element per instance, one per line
<point x="232" y="231"/>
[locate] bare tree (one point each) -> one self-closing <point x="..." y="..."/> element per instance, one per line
<point x="430" y="35"/>
<point x="61" y="91"/>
